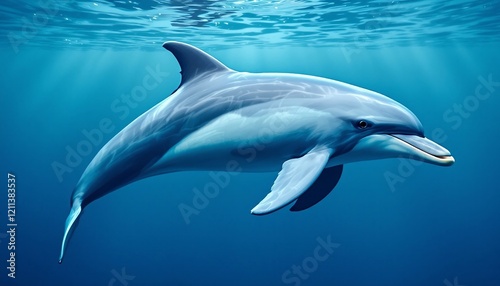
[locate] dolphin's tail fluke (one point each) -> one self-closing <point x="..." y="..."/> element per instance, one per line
<point x="71" y="221"/>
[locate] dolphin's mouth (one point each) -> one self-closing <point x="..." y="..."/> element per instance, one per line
<point x="426" y="150"/>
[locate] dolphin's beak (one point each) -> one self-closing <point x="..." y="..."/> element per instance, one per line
<point x="382" y="146"/>
<point x="423" y="149"/>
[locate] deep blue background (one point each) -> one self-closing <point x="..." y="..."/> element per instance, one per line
<point x="440" y="223"/>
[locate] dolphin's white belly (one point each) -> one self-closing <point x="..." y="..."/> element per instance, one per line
<point x="257" y="140"/>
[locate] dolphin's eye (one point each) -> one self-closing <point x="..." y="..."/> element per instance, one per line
<point x="362" y="124"/>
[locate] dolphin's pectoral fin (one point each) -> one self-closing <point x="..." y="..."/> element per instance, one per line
<point x="323" y="185"/>
<point x="295" y="177"/>
<point x="193" y="61"/>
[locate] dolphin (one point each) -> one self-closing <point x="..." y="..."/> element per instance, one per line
<point x="304" y="127"/>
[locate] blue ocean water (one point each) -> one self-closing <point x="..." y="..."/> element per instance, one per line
<point x="70" y="69"/>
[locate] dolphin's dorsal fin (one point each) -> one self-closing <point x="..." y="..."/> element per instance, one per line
<point x="193" y="61"/>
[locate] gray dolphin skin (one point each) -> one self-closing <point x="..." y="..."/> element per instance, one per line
<point x="304" y="127"/>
